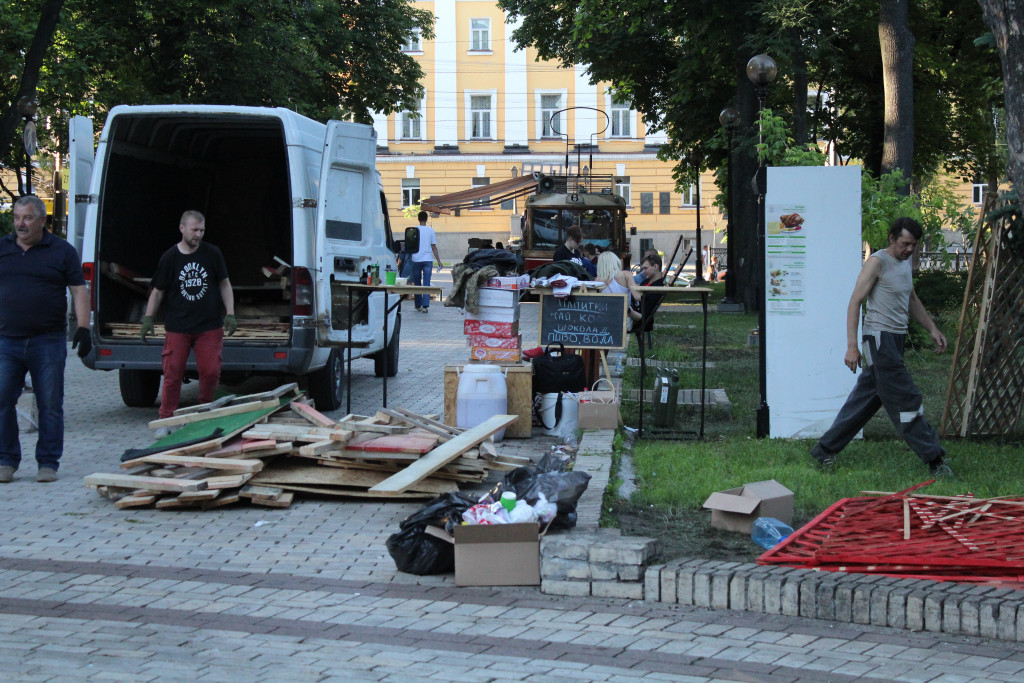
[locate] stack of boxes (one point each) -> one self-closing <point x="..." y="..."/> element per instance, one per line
<point x="493" y="331"/>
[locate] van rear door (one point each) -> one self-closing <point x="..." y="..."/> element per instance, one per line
<point x="80" y="177"/>
<point x="343" y="237"/>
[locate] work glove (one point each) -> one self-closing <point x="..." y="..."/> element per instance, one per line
<point x="82" y="342"/>
<point x="147" y="327"/>
<point x="230" y="324"/>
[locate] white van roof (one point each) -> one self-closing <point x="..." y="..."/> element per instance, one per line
<point x="295" y="125"/>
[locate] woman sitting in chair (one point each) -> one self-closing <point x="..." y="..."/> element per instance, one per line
<point x="618" y="281"/>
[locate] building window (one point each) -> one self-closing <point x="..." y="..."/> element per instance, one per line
<point x="547" y="105"/>
<point x="481" y="182"/>
<point x="480" y="111"/>
<point x="690" y="196"/>
<point x="664" y="202"/>
<point x="622" y="119"/>
<point x="480" y="34"/>
<point x="622" y="187"/>
<point x="978" y="193"/>
<point x="415" y="41"/>
<point x="410" y="192"/>
<point x="411" y="123"/>
<point x="509" y="205"/>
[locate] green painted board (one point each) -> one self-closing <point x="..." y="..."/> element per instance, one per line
<point x="231" y="424"/>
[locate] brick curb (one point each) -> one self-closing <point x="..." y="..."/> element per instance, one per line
<point x="603" y="563"/>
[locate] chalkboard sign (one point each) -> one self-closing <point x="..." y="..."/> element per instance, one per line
<point x="584" y="321"/>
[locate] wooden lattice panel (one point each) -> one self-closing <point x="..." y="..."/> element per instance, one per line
<point x="986" y="388"/>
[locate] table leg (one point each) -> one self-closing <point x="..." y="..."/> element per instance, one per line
<point x="348" y="368"/>
<point x="384" y="351"/>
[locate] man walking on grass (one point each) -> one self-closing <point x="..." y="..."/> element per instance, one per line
<point x="886" y="281"/>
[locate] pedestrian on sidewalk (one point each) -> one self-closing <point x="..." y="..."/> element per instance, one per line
<point x="886" y="282"/>
<point x="422" y="262"/>
<point x="36" y="267"/>
<point x="191" y="280"/>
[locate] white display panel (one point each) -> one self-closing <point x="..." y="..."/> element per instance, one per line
<point x="812" y="259"/>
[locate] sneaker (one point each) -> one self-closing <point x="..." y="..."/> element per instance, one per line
<point x="46" y="474"/>
<point x="424" y="310"/>
<point x="7" y="474"/>
<point x="826" y="462"/>
<point x="940" y="469"/>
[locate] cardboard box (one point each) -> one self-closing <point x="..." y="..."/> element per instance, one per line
<point x="485" y="353"/>
<point x="491" y="329"/>
<point x="599" y="407"/>
<point x="497" y="555"/>
<point x="502" y="298"/>
<point x="485" y="341"/>
<point x="496" y="314"/>
<point x="737" y="509"/>
<point x="512" y="282"/>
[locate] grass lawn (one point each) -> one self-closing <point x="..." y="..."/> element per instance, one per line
<point x="675" y="477"/>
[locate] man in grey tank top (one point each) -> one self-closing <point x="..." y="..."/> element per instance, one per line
<point x="887" y="283"/>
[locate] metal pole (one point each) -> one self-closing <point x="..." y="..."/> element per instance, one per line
<point x="699" y="280"/>
<point x="763" y="421"/>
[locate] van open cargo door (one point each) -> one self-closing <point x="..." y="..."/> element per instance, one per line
<point x="80" y="177"/>
<point x="348" y="198"/>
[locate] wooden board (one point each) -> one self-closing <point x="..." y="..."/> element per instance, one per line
<point x="227" y="464"/>
<point x="312" y="415"/>
<point x="443" y="454"/>
<point x="362" y="493"/>
<point x="130" y="481"/>
<point x="316" y="475"/>
<point x="176" y="420"/>
<point x="399" y="444"/>
<point x="230" y="424"/>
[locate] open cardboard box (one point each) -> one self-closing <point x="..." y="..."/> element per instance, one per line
<point x="737" y="509"/>
<point x="495" y="554"/>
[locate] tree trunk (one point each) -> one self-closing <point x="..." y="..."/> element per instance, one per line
<point x="30" y="74"/>
<point x="1005" y="18"/>
<point x="897" y="43"/>
<point x="799" y="77"/>
<point x="744" y="223"/>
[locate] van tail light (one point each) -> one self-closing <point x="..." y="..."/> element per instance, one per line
<point x="89" y="270"/>
<point x="302" y="292"/>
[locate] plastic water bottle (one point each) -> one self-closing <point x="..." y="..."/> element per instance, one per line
<point x="618" y="365"/>
<point x="769" y="532"/>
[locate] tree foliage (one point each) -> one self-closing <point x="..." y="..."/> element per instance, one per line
<point x="322" y="58"/>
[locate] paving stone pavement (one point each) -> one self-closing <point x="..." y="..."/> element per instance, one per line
<point x="309" y="593"/>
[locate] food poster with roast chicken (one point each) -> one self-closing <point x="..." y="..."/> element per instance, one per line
<point x="786" y="258"/>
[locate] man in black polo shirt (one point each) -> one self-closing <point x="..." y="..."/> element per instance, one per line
<point x="35" y="269"/>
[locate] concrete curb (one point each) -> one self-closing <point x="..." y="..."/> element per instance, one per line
<point x="603" y="563"/>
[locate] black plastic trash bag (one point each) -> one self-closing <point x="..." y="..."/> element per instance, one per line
<point x="417" y="552"/>
<point x="547" y="477"/>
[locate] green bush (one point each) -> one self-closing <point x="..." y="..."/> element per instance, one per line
<point x="6" y="222"/>
<point x="942" y="294"/>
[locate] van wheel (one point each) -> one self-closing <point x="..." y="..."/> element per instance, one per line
<point x="391" y="351"/>
<point x="139" y="387"/>
<point x="327" y="385"/>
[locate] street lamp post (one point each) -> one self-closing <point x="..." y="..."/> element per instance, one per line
<point x="27" y="107"/>
<point x="729" y="118"/>
<point x="761" y="71"/>
<point x="695" y="162"/>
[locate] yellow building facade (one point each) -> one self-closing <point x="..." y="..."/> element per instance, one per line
<point x="491" y="113"/>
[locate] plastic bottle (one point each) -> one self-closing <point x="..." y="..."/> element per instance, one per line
<point x="508" y="500"/>
<point x="769" y="532"/>
<point x="618" y="365"/>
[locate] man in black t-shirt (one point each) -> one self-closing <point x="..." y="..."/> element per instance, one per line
<point x="191" y="280"/>
<point x="570" y="251"/>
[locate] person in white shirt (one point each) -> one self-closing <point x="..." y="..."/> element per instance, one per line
<point x="422" y="262"/>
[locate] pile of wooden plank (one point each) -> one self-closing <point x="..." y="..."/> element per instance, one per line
<point x="264" y="448"/>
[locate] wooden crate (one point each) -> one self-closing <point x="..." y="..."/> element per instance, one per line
<point x="518" y="380"/>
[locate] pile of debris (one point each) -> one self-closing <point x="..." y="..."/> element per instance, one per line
<point x="910" y="535"/>
<point x="265" y="447"/>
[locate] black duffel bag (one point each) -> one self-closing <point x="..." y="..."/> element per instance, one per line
<point x="557" y="373"/>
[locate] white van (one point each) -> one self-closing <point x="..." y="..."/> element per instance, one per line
<point x="296" y="207"/>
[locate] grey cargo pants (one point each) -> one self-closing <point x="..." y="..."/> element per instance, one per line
<point x="884" y="383"/>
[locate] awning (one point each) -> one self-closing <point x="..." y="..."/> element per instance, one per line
<point x="485" y="195"/>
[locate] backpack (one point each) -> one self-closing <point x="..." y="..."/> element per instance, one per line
<point x="412" y="240"/>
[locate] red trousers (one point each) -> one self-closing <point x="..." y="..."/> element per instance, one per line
<point x="207" y="346"/>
